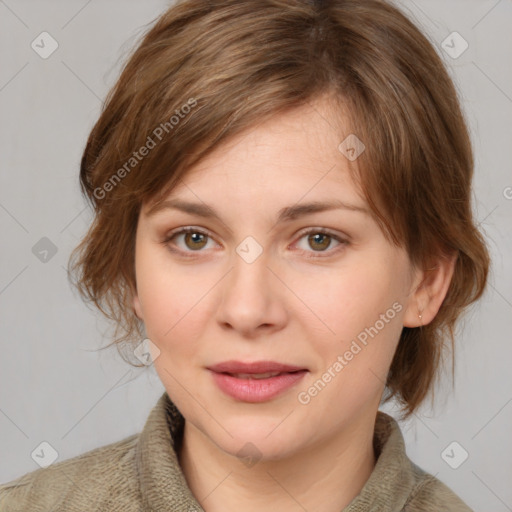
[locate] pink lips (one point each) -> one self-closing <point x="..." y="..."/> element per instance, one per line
<point x="234" y="379"/>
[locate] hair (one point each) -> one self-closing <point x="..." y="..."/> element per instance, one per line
<point x="208" y="70"/>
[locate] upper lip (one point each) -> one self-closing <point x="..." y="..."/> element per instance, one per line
<point x="254" y="367"/>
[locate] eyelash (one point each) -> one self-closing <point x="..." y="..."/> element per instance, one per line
<point x="318" y="254"/>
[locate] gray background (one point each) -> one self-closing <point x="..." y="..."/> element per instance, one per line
<point x="56" y="386"/>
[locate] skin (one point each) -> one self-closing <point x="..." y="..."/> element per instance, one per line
<point x="301" y="302"/>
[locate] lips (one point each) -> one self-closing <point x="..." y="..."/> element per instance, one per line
<point x="255" y="382"/>
<point x="255" y="368"/>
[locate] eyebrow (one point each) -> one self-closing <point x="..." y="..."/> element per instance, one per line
<point x="286" y="214"/>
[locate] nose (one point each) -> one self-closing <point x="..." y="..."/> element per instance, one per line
<point x="252" y="298"/>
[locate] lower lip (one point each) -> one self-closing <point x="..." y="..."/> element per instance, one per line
<point x="256" y="390"/>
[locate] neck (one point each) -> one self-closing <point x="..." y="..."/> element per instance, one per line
<point x="324" y="477"/>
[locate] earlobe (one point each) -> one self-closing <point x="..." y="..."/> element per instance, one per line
<point x="430" y="292"/>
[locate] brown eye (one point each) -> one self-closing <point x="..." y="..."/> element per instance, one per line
<point x="187" y="240"/>
<point x="319" y="241"/>
<point x="195" y="240"/>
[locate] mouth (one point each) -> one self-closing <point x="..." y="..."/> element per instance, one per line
<point x="255" y="382"/>
<point x="256" y="376"/>
<point x="254" y="368"/>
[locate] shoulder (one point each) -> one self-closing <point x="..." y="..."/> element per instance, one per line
<point x="430" y="494"/>
<point x="89" y="481"/>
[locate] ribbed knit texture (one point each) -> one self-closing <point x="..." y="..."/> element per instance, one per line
<point x="141" y="473"/>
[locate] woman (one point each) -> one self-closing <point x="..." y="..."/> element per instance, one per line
<point x="282" y="210"/>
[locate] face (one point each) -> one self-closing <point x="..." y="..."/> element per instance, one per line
<point x="267" y="279"/>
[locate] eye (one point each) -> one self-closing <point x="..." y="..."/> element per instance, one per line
<point x="320" y="240"/>
<point x="193" y="238"/>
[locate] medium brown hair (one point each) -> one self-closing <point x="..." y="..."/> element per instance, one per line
<point x="207" y="70"/>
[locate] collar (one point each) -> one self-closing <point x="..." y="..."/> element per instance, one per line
<point x="162" y="482"/>
<point x="163" y="485"/>
<point x="392" y="480"/>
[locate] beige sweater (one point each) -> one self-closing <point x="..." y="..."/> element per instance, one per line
<point x="142" y="474"/>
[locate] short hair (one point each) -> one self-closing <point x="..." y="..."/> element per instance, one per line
<point x="208" y="70"/>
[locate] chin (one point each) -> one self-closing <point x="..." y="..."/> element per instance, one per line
<point x="269" y="438"/>
<point x="253" y="450"/>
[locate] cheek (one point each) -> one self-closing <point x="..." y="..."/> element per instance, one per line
<point x="352" y="298"/>
<point x="362" y="305"/>
<point x="173" y="301"/>
<point x="162" y="290"/>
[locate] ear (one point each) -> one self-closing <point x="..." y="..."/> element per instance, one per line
<point x="430" y="289"/>
<point x="137" y="307"/>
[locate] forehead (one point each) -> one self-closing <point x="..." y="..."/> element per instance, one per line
<point x="298" y="137"/>
<point x="288" y="157"/>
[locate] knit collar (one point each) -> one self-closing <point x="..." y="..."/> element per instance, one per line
<point x="163" y="486"/>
